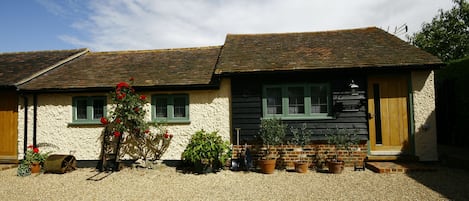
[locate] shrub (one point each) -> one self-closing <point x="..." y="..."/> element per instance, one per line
<point x="206" y="150"/>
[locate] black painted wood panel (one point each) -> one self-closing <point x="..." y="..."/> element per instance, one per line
<point x="349" y="111"/>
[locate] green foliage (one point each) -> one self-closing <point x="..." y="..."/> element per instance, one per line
<point x="447" y="36"/>
<point x="301" y="136"/>
<point x="34" y="155"/>
<point x="206" y="148"/>
<point x="342" y="139"/>
<point x="23" y="170"/>
<point x="272" y="131"/>
<point x="127" y="124"/>
<point x="452" y="100"/>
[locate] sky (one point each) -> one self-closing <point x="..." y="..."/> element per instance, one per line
<point x="110" y="25"/>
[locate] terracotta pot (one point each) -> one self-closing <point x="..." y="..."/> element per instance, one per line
<point x="267" y="166"/>
<point x="335" y="167"/>
<point x="301" y="167"/>
<point x="35" y="167"/>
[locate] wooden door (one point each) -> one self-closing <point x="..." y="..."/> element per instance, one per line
<point x="388" y="114"/>
<point x="8" y="126"/>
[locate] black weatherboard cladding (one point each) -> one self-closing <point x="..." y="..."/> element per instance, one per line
<point x="349" y="111"/>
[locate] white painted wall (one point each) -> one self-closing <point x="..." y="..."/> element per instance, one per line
<point x="208" y="110"/>
<point x="424" y="115"/>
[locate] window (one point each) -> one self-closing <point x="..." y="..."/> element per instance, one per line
<point x="88" y="109"/>
<point x="297" y="101"/>
<point x="172" y="108"/>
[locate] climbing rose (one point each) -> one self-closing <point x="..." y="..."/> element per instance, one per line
<point x="118" y="120"/>
<point x="117" y="133"/>
<point x="121" y="96"/>
<point x="147" y="131"/>
<point x="122" y="85"/>
<point x="30" y="146"/>
<point x="104" y="120"/>
<point x="35" y="150"/>
<point x="142" y="97"/>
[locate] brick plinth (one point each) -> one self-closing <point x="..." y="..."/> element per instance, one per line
<point x="314" y="153"/>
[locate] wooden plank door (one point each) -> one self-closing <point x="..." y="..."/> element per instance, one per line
<point x="8" y="127"/>
<point x="388" y="118"/>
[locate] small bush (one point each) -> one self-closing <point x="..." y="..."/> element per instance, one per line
<point x="206" y="151"/>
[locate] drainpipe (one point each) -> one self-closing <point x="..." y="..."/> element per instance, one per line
<point x="34" y="119"/>
<point x="25" y="141"/>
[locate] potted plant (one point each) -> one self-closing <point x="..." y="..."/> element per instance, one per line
<point x="271" y="132"/>
<point x="33" y="161"/>
<point x="342" y="139"/>
<point x="206" y="152"/>
<point x="301" y="137"/>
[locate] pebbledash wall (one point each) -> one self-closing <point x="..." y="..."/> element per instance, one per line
<point x="423" y="90"/>
<point x="208" y="110"/>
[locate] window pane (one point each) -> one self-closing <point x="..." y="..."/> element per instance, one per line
<point x="161" y="107"/>
<point x="179" y="107"/>
<point x="81" y="109"/>
<point x="274" y="100"/>
<point x="319" y="99"/>
<point x="98" y="108"/>
<point x="296" y="100"/>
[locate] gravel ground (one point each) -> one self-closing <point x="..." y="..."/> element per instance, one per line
<point x="165" y="183"/>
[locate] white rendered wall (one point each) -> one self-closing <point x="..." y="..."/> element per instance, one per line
<point x="208" y="110"/>
<point x="424" y="115"/>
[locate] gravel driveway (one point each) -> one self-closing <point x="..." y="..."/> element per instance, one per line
<point x="165" y="183"/>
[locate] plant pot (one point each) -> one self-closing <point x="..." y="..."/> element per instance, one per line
<point x="35" y="167"/>
<point x="335" y="167"/>
<point x="267" y="166"/>
<point x="301" y="166"/>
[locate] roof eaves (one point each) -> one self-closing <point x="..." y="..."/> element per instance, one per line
<point x="37" y="74"/>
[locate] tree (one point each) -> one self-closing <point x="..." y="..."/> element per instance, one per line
<point x="447" y="36"/>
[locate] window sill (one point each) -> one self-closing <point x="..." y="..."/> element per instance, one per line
<point x="300" y="118"/>
<point x="85" y="123"/>
<point x="179" y="121"/>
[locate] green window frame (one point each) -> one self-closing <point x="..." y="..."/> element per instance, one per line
<point x="88" y="109"/>
<point x="297" y="101"/>
<point x="170" y="108"/>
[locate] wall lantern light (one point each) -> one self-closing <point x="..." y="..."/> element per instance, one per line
<point x="353" y="88"/>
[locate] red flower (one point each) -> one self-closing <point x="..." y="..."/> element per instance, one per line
<point x="35" y="150"/>
<point x="147" y="131"/>
<point x="122" y="85"/>
<point x="117" y="133"/>
<point x="121" y="96"/>
<point x="118" y="120"/>
<point x="143" y="97"/>
<point x="167" y="135"/>
<point x="104" y="120"/>
<point x="136" y="109"/>
<point x="30" y="146"/>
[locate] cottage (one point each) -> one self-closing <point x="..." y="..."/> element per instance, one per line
<point x="364" y="79"/>
<point x="307" y="78"/>
<point x="15" y="69"/>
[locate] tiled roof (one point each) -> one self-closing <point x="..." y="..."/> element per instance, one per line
<point x="18" y="66"/>
<point x="355" y="48"/>
<point x="168" y="67"/>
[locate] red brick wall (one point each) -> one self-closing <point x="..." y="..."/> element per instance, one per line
<point x="288" y="154"/>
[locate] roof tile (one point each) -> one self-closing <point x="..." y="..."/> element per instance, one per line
<point x="168" y="67"/>
<point x="367" y="47"/>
